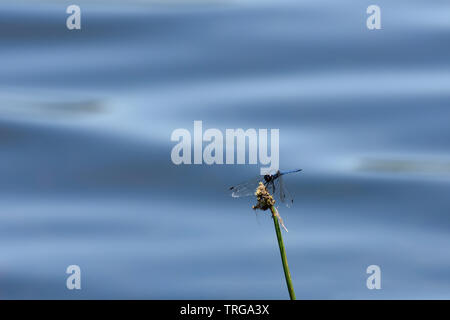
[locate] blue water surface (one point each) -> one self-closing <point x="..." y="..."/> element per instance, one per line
<point x="86" y="176"/>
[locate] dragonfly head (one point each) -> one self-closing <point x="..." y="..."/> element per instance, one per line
<point x="268" y="178"/>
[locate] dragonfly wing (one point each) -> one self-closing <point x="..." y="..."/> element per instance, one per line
<point x="285" y="196"/>
<point x="271" y="187"/>
<point x="245" y="189"/>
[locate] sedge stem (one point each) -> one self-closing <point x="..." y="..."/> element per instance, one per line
<point x="287" y="273"/>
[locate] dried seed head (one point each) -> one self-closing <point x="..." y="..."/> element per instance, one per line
<point x="265" y="200"/>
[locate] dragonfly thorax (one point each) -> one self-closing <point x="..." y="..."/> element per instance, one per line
<point x="271" y="177"/>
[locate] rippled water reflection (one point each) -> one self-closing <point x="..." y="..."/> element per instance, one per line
<point x="86" y="176"/>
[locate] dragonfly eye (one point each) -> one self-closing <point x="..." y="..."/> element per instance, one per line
<point x="267" y="177"/>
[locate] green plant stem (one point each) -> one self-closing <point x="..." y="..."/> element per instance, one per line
<point x="287" y="274"/>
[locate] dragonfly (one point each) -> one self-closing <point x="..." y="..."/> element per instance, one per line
<point x="273" y="182"/>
